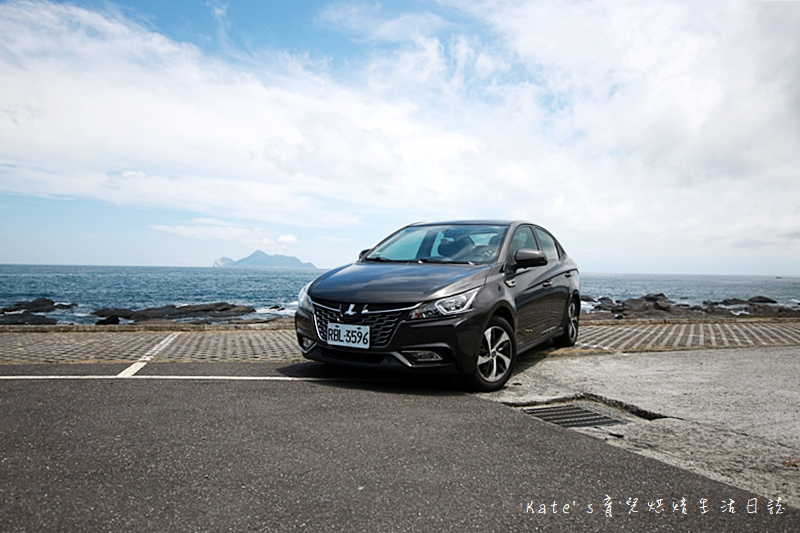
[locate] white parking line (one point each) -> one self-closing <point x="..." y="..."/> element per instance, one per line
<point x="146" y="358"/>
<point x="175" y="378"/>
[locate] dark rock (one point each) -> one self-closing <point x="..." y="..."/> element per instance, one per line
<point x="26" y="318"/>
<point x="171" y="312"/>
<point x="112" y="320"/>
<point x="586" y="298"/>
<point x="767" y="310"/>
<point x="761" y="300"/>
<point x="733" y="301"/>
<point x="634" y="305"/>
<point x="662" y="305"/>
<point x="152" y="313"/>
<point x="118" y="312"/>
<point x="605" y="304"/>
<point x="39" y="305"/>
<point x="656" y="305"/>
<point x="214" y="310"/>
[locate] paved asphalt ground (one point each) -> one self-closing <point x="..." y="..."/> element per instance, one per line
<point x="122" y="430"/>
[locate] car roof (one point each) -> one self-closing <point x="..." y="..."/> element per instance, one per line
<point x="471" y="222"/>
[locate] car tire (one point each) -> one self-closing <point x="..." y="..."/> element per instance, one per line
<point x="571" y="319"/>
<point x="496" y="358"/>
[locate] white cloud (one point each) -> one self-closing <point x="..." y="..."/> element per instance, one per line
<point x="249" y="238"/>
<point x="124" y="115"/>
<point x="631" y="129"/>
<point x="368" y="22"/>
<point x="287" y="239"/>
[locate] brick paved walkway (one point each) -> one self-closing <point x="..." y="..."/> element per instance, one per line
<point x="125" y="347"/>
<point x="645" y="337"/>
<point x="280" y="345"/>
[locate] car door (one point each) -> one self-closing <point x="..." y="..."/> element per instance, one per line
<point x="556" y="284"/>
<point x="529" y="289"/>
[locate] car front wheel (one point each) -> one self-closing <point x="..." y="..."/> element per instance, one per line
<point x="497" y="356"/>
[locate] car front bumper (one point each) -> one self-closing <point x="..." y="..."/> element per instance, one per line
<point x="442" y="344"/>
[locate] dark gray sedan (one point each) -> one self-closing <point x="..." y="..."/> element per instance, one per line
<point x="462" y="296"/>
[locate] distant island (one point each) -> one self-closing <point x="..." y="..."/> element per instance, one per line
<point x="259" y="259"/>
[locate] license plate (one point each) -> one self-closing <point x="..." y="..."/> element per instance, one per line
<point x="348" y="335"/>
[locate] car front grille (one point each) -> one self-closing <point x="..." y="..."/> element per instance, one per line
<point x="382" y="322"/>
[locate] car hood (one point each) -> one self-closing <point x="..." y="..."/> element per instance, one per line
<point x="369" y="282"/>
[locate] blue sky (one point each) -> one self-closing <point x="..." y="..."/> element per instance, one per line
<point x="653" y="137"/>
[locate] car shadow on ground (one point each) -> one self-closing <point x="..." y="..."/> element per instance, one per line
<point x="376" y="380"/>
<point x="397" y="381"/>
<point x="534" y="356"/>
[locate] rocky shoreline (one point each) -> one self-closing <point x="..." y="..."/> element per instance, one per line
<point x="650" y="306"/>
<point x="27" y="313"/>
<point x="660" y="306"/>
<point x="32" y="313"/>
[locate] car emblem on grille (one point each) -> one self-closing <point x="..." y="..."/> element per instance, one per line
<point x="353" y="309"/>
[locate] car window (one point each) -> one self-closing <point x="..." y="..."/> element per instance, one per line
<point x="442" y="244"/>
<point x="403" y="246"/>
<point x="523" y="238"/>
<point x="549" y="246"/>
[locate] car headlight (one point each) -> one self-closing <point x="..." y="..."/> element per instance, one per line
<point x="451" y="305"/>
<point x="303" y="301"/>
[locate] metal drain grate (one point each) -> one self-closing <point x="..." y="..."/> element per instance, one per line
<point x="572" y="416"/>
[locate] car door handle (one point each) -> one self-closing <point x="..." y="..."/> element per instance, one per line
<point x="547" y="284"/>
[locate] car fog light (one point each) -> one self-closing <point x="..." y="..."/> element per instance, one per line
<point x="424" y="356"/>
<point x="306" y="343"/>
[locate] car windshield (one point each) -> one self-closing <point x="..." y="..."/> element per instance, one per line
<point x="474" y="244"/>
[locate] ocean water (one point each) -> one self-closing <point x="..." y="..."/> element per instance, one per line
<point x="692" y="290"/>
<point x="95" y="287"/>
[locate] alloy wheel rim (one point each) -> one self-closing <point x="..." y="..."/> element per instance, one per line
<point x="573" y="322"/>
<point x="494" y="361"/>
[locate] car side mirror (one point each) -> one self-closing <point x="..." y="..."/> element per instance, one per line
<point x="363" y="253"/>
<point x="527" y="258"/>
